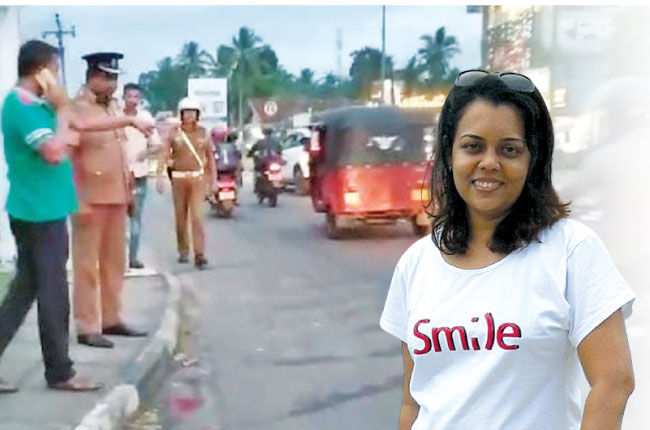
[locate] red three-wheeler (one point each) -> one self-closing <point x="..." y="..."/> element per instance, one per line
<point x="369" y="165"/>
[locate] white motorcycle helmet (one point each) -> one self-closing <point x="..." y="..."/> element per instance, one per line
<point x="189" y="103"/>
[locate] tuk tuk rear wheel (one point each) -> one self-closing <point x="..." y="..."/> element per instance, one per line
<point x="273" y="200"/>
<point x="333" y="230"/>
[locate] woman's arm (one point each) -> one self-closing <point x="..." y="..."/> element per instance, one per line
<point x="607" y="364"/>
<point x="410" y="409"/>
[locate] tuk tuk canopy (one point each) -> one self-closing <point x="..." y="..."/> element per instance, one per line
<point x="372" y="136"/>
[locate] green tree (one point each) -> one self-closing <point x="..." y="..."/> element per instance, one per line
<point x="278" y="83"/>
<point x="194" y="60"/>
<point x="166" y="86"/>
<point x="411" y="76"/>
<point x="435" y="55"/>
<point x="306" y="77"/>
<point x="243" y="60"/>
<point x="366" y="68"/>
<point x="305" y="84"/>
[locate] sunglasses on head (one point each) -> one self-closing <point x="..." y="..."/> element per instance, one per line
<point x="514" y="81"/>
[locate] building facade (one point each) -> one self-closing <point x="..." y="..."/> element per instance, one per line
<point x="571" y="53"/>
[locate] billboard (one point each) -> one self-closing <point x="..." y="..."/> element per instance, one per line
<point x="212" y="93"/>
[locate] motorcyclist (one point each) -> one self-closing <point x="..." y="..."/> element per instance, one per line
<point x="227" y="156"/>
<point x="231" y="138"/>
<point x="218" y="135"/>
<point x="261" y="150"/>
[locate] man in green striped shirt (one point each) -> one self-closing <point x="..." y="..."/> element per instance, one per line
<point x="36" y="127"/>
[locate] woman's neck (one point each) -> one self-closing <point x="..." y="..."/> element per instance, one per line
<point x="188" y="126"/>
<point x="481" y="230"/>
<point x="478" y="254"/>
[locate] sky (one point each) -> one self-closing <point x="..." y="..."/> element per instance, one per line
<point x="302" y="36"/>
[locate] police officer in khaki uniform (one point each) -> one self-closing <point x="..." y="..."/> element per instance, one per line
<point x="98" y="229"/>
<point x="187" y="151"/>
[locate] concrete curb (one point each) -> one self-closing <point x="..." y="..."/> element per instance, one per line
<point x="141" y="376"/>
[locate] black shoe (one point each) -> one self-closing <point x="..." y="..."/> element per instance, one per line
<point x="183" y="258"/>
<point x="200" y="261"/>
<point x="136" y="264"/>
<point x="123" y="330"/>
<point x="95" y="340"/>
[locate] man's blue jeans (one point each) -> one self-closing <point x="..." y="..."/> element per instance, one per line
<point x="136" y="218"/>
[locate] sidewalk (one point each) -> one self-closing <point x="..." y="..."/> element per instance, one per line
<point x="129" y="371"/>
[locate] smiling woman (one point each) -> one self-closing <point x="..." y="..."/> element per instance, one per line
<point x="501" y="247"/>
<point x="490" y="160"/>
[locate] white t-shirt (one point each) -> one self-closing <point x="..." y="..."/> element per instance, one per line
<point x="495" y="348"/>
<point x="136" y="142"/>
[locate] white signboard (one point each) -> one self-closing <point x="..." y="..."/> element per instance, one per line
<point x="213" y="96"/>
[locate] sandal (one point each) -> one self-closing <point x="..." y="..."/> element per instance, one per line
<point x="78" y="384"/>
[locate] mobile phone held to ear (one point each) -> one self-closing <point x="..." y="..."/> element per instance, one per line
<point x="45" y="79"/>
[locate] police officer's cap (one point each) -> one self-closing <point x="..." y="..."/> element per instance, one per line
<point x="104" y="61"/>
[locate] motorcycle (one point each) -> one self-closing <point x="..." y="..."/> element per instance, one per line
<point x="223" y="201"/>
<point x="270" y="181"/>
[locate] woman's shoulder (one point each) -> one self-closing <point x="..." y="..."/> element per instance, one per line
<point x="567" y="232"/>
<point x="420" y="249"/>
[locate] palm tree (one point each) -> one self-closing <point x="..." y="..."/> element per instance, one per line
<point x="242" y="58"/>
<point x="305" y="82"/>
<point x="193" y="59"/>
<point x="166" y="85"/>
<point x="436" y="53"/>
<point x="366" y="68"/>
<point x="306" y="77"/>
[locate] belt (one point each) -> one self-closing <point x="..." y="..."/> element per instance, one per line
<point x="188" y="174"/>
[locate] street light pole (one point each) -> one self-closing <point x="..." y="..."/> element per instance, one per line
<point x="59" y="33"/>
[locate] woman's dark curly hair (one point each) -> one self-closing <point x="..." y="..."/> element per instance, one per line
<point x="537" y="207"/>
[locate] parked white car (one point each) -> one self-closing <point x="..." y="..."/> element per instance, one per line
<point x="296" y="169"/>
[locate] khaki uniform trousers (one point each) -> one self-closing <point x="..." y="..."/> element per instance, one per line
<point x="98" y="258"/>
<point x="189" y="196"/>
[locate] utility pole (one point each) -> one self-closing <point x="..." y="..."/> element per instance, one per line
<point x="59" y="33"/>
<point x="383" y="52"/>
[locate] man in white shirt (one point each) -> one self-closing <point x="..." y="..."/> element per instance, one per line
<point x="138" y="149"/>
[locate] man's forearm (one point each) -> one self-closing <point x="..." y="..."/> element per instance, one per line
<point x="55" y="149"/>
<point x="98" y="122"/>
<point x="163" y="158"/>
<point x="604" y="407"/>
